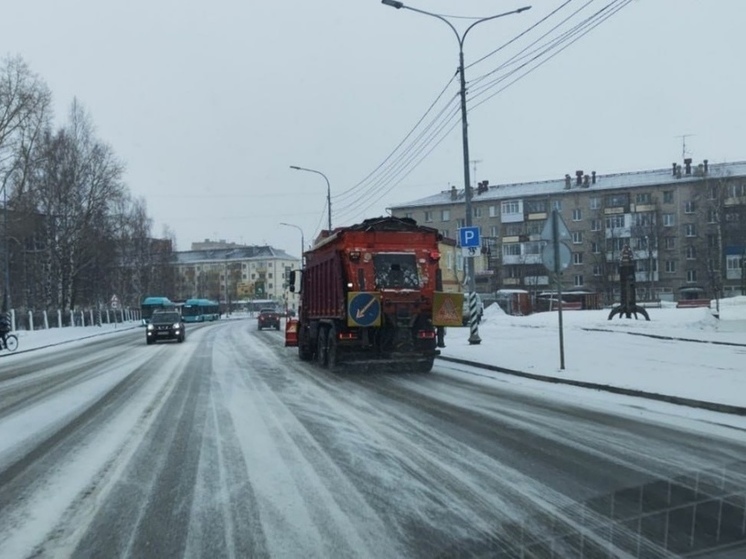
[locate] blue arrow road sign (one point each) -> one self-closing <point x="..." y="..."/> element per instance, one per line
<point x="363" y="309"/>
<point x="469" y="237"/>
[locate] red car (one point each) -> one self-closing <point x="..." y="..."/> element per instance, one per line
<point x="268" y="318"/>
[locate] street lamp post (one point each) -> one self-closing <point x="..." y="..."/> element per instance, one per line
<point x="328" y="191"/>
<point x="474" y="332"/>
<point x="302" y="239"/>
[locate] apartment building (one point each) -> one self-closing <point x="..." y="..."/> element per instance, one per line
<point x="235" y="273"/>
<point x="686" y="225"/>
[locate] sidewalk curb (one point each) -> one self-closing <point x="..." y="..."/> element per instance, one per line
<point x="701" y="404"/>
<point x="671" y="338"/>
<point x="97" y="335"/>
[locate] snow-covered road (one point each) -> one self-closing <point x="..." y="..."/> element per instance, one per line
<point x="229" y="446"/>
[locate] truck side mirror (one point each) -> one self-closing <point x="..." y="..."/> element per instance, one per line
<point x="291" y="281"/>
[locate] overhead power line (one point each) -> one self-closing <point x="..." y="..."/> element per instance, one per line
<point x="401" y="162"/>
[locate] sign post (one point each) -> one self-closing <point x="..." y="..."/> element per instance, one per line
<point x="556" y="257"/>
<point x="470" y="247"/>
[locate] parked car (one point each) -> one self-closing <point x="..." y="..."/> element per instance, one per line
<point x="268" y="318"/>
<point x="165" y="325"/>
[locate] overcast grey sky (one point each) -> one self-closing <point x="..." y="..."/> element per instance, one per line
<point x="208" y="103"/>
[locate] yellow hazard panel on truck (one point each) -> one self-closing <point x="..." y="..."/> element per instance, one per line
<point x="363" y="308"/>
<point x="447" y="308"/>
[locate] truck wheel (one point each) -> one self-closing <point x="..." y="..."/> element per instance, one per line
<point x="332" y="352"/>
<point x="425" y="366"/>
<point x="304" y="354"/>
<point x="321" y="350"/>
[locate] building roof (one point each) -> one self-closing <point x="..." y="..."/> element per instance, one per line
<point x="232" y="254"/>
<point x="656" y="177"/>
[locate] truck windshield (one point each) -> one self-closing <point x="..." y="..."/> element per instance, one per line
<point x="396" y="271"/>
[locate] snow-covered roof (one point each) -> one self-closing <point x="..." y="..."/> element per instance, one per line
<point x="656" y="177"/>
<point x="232" y="253"/>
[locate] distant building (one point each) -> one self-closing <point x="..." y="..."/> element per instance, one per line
<point x="686" y="226"/>
<point x="235" y="274"/>
<point x="207" y="244"/>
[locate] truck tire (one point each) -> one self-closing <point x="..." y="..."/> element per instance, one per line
<point x="321" y="349"/>
<point x="425" y="366"/>
<point x="332" y="351"/>
<point x="304" y="354"/>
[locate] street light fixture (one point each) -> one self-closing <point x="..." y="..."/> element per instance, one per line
<point x="328" y="191"/>
<point x="474" y="333"/>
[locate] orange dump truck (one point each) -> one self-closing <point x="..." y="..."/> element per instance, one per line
<point x="371" y="294"/>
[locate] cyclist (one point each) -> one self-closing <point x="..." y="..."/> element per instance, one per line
<point x="5" y="328"/>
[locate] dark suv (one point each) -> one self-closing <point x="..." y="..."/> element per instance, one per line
<point x="268" y="318"/>
<point x="165" y="325"/>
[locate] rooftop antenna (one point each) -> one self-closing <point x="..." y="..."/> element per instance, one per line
<point x="474" y="167"/>
<point x="684" y="151"/>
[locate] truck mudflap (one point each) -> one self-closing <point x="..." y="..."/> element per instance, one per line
<point x="291" y="332"/>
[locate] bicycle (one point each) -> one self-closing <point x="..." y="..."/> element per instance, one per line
<point x="9" y="342"/>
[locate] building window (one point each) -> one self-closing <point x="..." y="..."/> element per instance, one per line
<point x="476" y="211"/>
<point x="494" y="231"/>
<point x="532" y="248"/>
<point x="691" y="276"/>
<point x="642" y="198"/>
<point x="733" y="262"/>
<point x="595" y="203"/>
<point x="595" y="247"/>
<point x="615" y="222"/>
<point x="511" y="207"/>
<point x="670" y="266"/>
<point x="512" y="249"/>
<point x="690" y="230"/>
<point x="734" y="191"/>
<point x="617" y="200"/>
<point x="644" y="219"/>
<point x="712" y="241"/>
<point x="597" y="270"/>
<point x="595" y="225"/>
<point x="689" y="207"/>
<point x="557" y="205"/>
<point x="668" y="197"/>
<point x="269" y="286"/>
<point x="577" y="258"/>
<point x="712" y="216"/>
<point x="577" y="237"/>
<point x="446" y="233"/>
<point x="445" y="215"/>
<point x="493" y="211"/>
<point x="408" y="215"/>
<point x="691" y="253"/>
<point x="535" y="206"/>
<point x="253" y="276"/>
<point x="578" y="281"/>
<point x="669" y="220"/>
<point x="513" y="229"/>
<point x="461" y="222"/>
<point x="577" y="214"/>
<point x="428" y="216"/>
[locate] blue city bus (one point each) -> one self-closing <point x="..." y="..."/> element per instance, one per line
<point x="211" y="309"/>
<point x="150" y="304"/>
<point x="200" y="310"/>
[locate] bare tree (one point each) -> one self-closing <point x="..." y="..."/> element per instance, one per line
<point x="75" y="188"/>
<point x="24" y="111"/>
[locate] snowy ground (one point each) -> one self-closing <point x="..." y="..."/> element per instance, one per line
<point x="603" y="351"/>
<point x="228" y="445"/>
